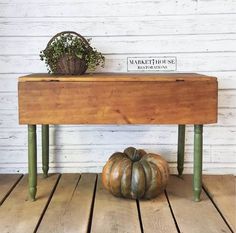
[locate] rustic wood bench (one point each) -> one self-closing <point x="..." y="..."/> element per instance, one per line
<point x="117" y="99"/>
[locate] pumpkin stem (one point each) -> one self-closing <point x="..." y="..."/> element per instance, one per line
<point x="134" y="154"/>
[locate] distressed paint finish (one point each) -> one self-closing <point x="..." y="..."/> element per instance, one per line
<point x="186" y="62"/>
<point x="181" y="147"/>
<point x="156" y="44"/>
<point x="115" y="26"/>
<point x="197" y="171"/>
<point x="32" y="161"/>
<point x="82" y="137"/>
<point x="45" y="149"/>
<point x="189" y="41"/>
<point x="70" y="8"/>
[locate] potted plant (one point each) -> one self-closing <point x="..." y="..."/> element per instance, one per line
<point x="70" y="53"/>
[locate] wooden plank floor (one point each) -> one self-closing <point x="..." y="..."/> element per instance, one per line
<point x="78" y="203"/>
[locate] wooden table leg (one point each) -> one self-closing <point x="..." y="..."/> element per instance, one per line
<point x="197" y="171"/>
<point x="45" y="149"/>
<point x="181" y="146"/>
<point x="32" y="161"/>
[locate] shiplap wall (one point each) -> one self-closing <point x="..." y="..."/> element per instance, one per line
<point x="200" y="33"/>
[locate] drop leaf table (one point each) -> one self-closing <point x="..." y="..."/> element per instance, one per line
<point x="113" y="98"/>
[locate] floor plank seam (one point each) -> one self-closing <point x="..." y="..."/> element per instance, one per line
<point x="92" y="205"/>
<point x="76" y="186"/>
<point x="47" y="204"/>
<point x="172" y="212"/>
<point x="139" y="216"/>
<point x="220" y="213"/>
<point x="176" y="206"/>
<point x="11" y="189"/>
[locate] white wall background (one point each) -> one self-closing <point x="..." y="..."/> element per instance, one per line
<point x="200" y="33"/>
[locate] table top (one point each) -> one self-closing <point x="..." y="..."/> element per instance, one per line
<point x="114" y="98"/>
<point x="117" y="77"/>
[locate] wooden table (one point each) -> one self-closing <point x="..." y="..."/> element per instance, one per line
<point x="117" y="99"/>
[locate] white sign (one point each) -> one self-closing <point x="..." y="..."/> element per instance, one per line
<point x="151" y="63"/>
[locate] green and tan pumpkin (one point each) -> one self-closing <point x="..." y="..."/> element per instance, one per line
<point x="135" y="174"/>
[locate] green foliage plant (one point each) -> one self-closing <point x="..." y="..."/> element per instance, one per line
<point x="71" y="45"/>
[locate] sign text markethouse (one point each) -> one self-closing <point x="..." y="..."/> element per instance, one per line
<point x="151" y="64"/>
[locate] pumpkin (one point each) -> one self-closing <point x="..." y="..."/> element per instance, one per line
<point x="135" y="174"/>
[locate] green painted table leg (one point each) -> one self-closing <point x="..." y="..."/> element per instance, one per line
<point x="45" y="149"/>
<point x="197" y="171"/>
<point x="32" y="160"/>
<point x="181" y="145"/>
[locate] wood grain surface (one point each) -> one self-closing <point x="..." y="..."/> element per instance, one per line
<point x="116" y="77"/>
<point x="23" y="215"/>
<point x="78" y="205"/>
<point x="70" y="207"/>
<point x="156" y="214"/>
<point x="129" y="99"/>
<point x="112" y="214"/>
<point x="193" y="216"/>
<point x="222" y="190"/>
<point x="7" y="183"/>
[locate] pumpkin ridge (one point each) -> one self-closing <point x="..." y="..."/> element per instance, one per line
<point x="131" y="177"/>
<point x="138" y="181"/>
<point x="151" y="162"/>
<point x="126" y="156"/>
<point x="106" y="175"/>
<point x="122" y="172"/>
<point x="126" y="184"/>
<point x="115" y="155"/>
<point x="153" y="189"/>
<point x="145" y="177"/>
<point x="162" y="167"/>
<point x="109" y="180"/>
<point x="147" y="184"/>
<point x="157" y="167"/>
<point x="116" y="163"/>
